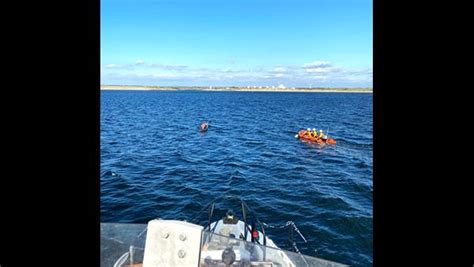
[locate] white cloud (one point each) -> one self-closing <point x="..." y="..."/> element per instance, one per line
<point x="167" y="67"/>
<point x="317" y="64"/>
<point x="319" y="67"/>
<point x="141" y="62"/>
<point x="323" y="72"/>
<point x="164" y="75"/>
<point x="279" y="70"/>
<point x="319" y="77"/>
<point x="320" y="70"/>
<point x="113" y="66"/>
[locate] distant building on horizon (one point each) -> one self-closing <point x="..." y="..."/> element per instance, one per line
<point x="281" y="86"/>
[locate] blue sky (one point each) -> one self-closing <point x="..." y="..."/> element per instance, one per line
<point x="318" y="43"/>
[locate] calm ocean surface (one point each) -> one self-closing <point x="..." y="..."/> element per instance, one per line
<point x="155" y="162"/>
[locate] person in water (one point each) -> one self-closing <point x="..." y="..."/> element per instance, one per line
<point x="323" y="136"/>
<point x="204" y="126"/>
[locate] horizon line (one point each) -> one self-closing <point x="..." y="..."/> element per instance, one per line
<point x="231" y="86"/>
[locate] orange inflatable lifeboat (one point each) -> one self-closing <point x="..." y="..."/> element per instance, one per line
<point x="303" y="134"/>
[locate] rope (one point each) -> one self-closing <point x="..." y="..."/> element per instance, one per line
<point x="275" y="226"/>
<point x="293" y="225"/>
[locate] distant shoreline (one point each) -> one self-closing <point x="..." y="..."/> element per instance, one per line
<point x="235" y="89"/>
